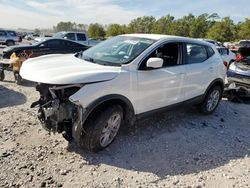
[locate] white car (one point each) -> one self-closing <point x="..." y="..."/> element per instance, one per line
<point x="89" y="96"/>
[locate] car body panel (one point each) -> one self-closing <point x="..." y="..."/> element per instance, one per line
<point x="65" y="69"/>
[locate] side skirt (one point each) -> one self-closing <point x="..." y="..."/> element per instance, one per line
<point x="193" y="101"/>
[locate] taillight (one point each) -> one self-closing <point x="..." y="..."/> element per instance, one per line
<point x="239" y="57"/>
<point x="225" y="63"/>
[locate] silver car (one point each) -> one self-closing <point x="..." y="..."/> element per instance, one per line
<point x="8" y="37"/>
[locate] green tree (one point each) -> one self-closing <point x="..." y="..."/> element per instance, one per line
<point x="244" y="30"/>
<point x="115" y="29"/>
<point x="143" y="24"/>
<point x="223" y="31"/>
<point x="164" y="25"/>
<point x="182" y="25"/>
<point x="64" y="26"/>
<point x="37" y="31"/>
<point x="96" y="31"/>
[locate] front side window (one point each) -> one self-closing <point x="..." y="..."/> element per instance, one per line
<point x="53" y="43"/>
<point x="170" y="53"/>
<point x="117" y="50"/>
<point x="196" y="53"/>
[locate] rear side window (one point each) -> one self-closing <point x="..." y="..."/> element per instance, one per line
<point x="71" y="36"/>
<point x="196" y="53"/>
<point x="81" y="37"/>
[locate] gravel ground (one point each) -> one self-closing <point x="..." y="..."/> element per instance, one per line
<point x="177" y="149"/>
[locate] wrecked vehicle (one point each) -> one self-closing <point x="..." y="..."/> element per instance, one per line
<point x="239" y="71"/>
<point x="238" y="76"/>
<point x="88" y="96"/>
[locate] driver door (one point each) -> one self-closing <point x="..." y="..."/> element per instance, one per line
<point x="161" y="87"/>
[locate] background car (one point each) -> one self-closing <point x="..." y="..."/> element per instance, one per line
<point x="20" y="53"/>
<point x="31" y="36"/>
<point x="239" y="71"/>
<point x="9" y="37"/>
<point x="50" y="46"/>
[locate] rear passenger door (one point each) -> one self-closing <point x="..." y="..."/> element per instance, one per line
<point x="200" y="69"/>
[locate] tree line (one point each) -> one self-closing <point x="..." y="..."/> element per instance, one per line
<point x="202" y="26"/>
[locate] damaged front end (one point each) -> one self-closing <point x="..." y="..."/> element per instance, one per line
<point x="55" y="111"/>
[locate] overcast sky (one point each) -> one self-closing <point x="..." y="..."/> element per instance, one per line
<point x="46" y="13"/>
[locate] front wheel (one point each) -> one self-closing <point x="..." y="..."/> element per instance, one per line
<point x="101" y="129"/>
<point x="212" y="100"/>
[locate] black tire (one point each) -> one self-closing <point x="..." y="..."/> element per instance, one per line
<point x="10" y="43"/>
<point x="204" y="107"/>
<point x="2" y="75"/>
<point x="95" y="125"/>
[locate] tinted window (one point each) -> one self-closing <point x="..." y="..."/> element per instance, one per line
<point x="168" y="52"/>
<point x="81" y="37"/>
<point x="196" y="53"/>
<point x="53" y="43"/>
<point x="12" y="33"/>
<point x="210" y="51"/>
<point x="70" y="36"/>
<point x="2" y="33"/>
<point x="72" y="44"/>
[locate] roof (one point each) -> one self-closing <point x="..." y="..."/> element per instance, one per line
<point x="159" y="37"/>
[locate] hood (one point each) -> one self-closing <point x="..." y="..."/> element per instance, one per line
<point x="66" y="69"/>
<point x="240" y="68"/>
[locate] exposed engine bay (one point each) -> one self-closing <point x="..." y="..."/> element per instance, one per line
<point x="55" y="111"/>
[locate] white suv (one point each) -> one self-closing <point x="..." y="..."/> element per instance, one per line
<point x="89" y="96"/>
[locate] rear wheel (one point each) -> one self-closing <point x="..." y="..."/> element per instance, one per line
<point x="212" y="100"/>
<point x="101" y="129"/>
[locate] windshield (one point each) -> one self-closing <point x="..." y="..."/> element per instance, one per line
<point x="117" y="50"/>
<point x="59" y="35"/>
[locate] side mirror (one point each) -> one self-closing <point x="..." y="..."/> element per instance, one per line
<point x="154" y="62"/>
<point x="42" y="46"/>
<point x="65" y="37"/>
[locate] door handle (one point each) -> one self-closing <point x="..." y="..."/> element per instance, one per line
<point x="182" y="73"/>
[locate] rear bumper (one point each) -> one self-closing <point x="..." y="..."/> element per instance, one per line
<point x="238" y="79"/>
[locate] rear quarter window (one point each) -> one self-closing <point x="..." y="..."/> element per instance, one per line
<point x="210" y="51"/>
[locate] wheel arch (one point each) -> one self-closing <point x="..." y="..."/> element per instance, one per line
<point x="216" y="82"/>
<point x="97" y="106"/>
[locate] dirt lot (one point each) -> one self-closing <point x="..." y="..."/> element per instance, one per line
<point x="178" y="149"/>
